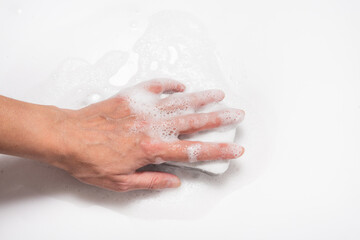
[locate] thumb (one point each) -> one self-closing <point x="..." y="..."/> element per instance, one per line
<point x="152" y="180"/>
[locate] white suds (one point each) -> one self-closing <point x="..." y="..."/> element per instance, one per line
<point x="193" y="152"/>
<point x="231" y="117"/>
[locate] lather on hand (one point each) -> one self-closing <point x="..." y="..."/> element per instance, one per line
<point x="104" y="144"/>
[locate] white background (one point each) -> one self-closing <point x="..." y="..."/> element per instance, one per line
<point x="299" y="62"/>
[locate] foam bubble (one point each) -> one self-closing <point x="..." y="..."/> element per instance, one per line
<point x="193" y="151"/>
<point x="231" y="117"/>
<point x="165" y="131"/>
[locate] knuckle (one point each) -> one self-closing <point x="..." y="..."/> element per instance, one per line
<point x="150" y="147"/>
<point x="154" y="182"/>
<point x="123" y="186"/>
<point x="191" y="122"/>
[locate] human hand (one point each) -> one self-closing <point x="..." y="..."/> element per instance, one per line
<point x="105" y="143"/>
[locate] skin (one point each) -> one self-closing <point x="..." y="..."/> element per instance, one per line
<point x="98" y="145"/>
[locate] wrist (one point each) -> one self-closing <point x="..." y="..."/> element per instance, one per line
<point x="34" y="131"/>
<point x="53" y="148"/>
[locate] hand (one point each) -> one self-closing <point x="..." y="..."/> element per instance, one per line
<point x="105" y="144"/>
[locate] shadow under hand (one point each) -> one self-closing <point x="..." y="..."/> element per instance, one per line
<point x="22" y="180"/>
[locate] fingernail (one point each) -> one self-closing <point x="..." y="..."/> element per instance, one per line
<point x="182" y="87"/>
<point x="236" y="150"/>
<point x="231" y="116"/>
<point x="238" y="115"/>
<point x="241" y="114"/>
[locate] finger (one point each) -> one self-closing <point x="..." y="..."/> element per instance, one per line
<point x="150" y="180"/>
<point x="189" y="151"/>
<point x="163" y="86"/>
<point x="191" y="100"/>
<point x="204" y="121"/>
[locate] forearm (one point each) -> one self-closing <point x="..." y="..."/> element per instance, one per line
<point x="28" y="130"/>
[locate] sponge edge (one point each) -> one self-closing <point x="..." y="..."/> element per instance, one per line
<point x="212" y="167"/>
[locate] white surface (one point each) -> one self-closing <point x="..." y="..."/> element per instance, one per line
<point x="298" y="64"/>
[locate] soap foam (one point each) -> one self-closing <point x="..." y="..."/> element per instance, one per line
<point x="229" y="117"/>
<point x="193" y="151"/>
<point x="78" y="83"/>
<point x="183" y="51"/>
<point x="164" y="120"/>
<point x="175" y="45"/>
